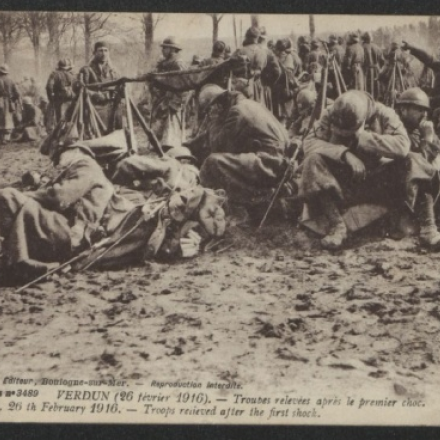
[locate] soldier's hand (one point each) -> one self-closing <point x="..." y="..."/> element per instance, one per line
<point x="190" y="244"/>
<point x="405" y="45"/>
<point x="427" y="130"/>
<point x="356" y="165"/>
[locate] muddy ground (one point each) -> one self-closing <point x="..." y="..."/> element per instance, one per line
<point x="272" y="312"/>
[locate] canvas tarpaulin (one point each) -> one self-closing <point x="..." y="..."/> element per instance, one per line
<point x="192" y="79"/>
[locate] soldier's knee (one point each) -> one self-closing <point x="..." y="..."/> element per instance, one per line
<point x="313" y="160"/>
<point x="209" y="168"/>
<point x="8" y="193"/>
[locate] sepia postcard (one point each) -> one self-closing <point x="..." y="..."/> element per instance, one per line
<point x="219" y="218"/>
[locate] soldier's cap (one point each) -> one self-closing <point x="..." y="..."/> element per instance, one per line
<point x="283" y="45"/>
<point x="252" y="33"/>
<point x="354" y="37"/>
<point x="65" y="64"/>
<point x="100" y="44"/>
<point x="196" y="59"/>
<point x="414" y="96"/>
<point x="303" y="39"/>
<point x="4" y="68"/>
<point x="313" y="67"/>
<point x="314" y="43"/>
<point x="367" y="37"/>
<point x="332" y="39"/>
<point x="172" y="43"/>
<point x="306" y="98"/>
<point x="27" y="100"/>
<point x="178" y="152"/>
<point x="209" y="94"/>
<point x="219" y="46"/>
<point x="351" y="110"/>
<point x="263" y="34"/>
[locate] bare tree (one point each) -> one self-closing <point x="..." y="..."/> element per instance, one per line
<point x="93" y="24"/>
<point x="216" y="18"/>
<point x="34" y="23"/>
<point x="10" y="32"/>
<point x="312" y="25"/>
<point x="149" y="23"/>
<point x="57" y="24"/>
<point x="255" y="20"/>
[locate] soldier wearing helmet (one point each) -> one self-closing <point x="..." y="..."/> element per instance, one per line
<point x="430" y="62"/>
<point x="283" y="89"/>
<point x="353" y="63"/>
<point x="303" y="50"/>
<point x="316" y="55"/>
<point x="305" y="104"/>
<point x="396" y="60"/>
<point x="245" y="146"/>
<point x="59" y="92"/>
<point x="344" y="166"/>
<point x="167" y="108"/>
<point x="217" y="55"/>
<point x="373" y="62"/>
<point x="412" y="107"/>
<point x="31" y="126"/>
<point x="220" y="52"/>
<point x="9" y="97"/>
<point x="336" y="49"/>
<point x="261" y="72"/>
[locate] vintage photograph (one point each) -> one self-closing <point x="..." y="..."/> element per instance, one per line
<point x="244" y="203"/>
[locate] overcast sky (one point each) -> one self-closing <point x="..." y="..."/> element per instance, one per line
<point x="200" y="25"/>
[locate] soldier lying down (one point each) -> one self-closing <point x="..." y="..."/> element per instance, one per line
<point x="80" y="207"/>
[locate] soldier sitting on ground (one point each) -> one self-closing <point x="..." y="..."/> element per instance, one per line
<point x="305" y="104"/>
<point x="413" y="107"/>
<point x="246" y="147"/>
<point x="31" y="126"/>
<point x="358" y="153"/>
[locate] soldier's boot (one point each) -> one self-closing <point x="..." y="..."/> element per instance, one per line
<point x="338" y="230"/>
<point x="429" y="235"/>
<point x="6" y="137"/>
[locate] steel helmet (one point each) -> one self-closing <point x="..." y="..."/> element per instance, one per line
<point x="306" y="98"/>
<point x="209" y="94"/>
<point x="179" y="152"/>
<point x="219" y="47"/>
<point x="27" y="100"/>
<point x="65" y="64"/>
<point x="4" y="69"/>
<point x="351" y="110"/>
<point x="284" y="45"/>
<point x="332" y="39"/>
<point x="353" y="38"/>
<point x="367" y="37"/>
<point x="171" y="42"/>
<point x="414" y="96"/>
<point x="315" y="43"/>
